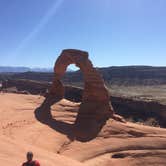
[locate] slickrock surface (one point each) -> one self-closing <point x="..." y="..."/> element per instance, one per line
<point x="117" y="143"/>
<point x="21" y="132"/>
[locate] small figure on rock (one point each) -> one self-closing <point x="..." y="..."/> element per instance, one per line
<point x="30" y="161"/>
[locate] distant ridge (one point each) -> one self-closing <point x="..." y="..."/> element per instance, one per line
<point x="115" y="75"/>
<point x="12" y="69"/>
<point x="22" y="69"/>
<point x="124" y="75"/>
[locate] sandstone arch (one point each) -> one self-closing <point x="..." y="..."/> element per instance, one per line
<point x="95" y="108"/>
<point x="94" y="89"/>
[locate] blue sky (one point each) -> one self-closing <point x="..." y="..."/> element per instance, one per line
<point x="114" y="32"/>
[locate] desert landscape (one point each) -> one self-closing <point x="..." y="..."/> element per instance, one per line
<point x="82" y="83"/>
<point x="117" y="143"/>
<point x="63" y="132"/>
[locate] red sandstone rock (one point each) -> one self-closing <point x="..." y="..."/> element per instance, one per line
<point x="94" y="89"/>
<point x="95" y="108"/>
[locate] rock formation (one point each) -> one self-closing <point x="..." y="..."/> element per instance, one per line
<point x="95" y="108"/>
<point x="92" y="78"/>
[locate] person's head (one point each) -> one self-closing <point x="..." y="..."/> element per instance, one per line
<point x="29" y="156"/>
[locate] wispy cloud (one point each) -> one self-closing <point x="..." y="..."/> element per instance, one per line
<point x="36" y="30"/>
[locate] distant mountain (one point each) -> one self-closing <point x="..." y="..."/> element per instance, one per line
<point x="123" y="75"/>
<point x="41" y="69"/>
<point x="9" y="69"/>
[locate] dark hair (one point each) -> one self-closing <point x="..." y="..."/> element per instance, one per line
<point x="30" y="154"/>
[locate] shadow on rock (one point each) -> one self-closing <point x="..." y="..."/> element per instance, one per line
<point x="43" y="114"/>
<point x="84" y="129"/>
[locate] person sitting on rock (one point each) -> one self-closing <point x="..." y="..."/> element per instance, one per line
<point x="30" y="161"/>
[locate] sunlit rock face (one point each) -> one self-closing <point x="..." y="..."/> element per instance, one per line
<point x="95" y="108"/>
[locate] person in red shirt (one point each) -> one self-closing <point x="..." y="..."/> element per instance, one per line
<point x="30" y="161"/>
